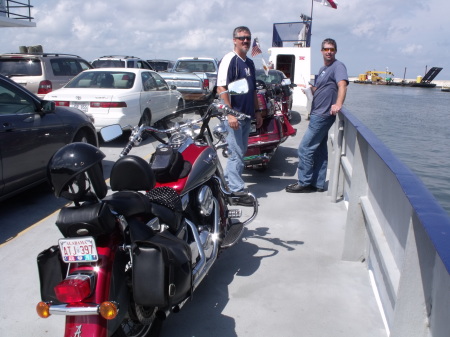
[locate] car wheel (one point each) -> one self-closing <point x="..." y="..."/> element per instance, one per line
<point x="81" y="137"/>
<point x="146" y="118"/>
<point x="180" y="105"/>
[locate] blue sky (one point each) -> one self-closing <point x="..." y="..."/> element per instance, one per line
<point x="371" y="34"/>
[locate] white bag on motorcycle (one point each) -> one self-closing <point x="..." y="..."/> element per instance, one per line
<point x="162" y="272"/>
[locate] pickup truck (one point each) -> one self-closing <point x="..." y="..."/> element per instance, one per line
<point x="195" y="78"/>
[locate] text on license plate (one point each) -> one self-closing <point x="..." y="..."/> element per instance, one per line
<point x="81" y="249"/>
<point x="83" y="106"/>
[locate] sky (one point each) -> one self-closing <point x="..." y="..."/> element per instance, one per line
<point x="405" y="37"/>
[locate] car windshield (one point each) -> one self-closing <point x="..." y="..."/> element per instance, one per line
<point x="103" y="79"/>
<point x="274" y="77"/>
<point x="108" y="64"/>
<point x="160" y="65"/>
<point x="195" y="66"/>
<point x="20" y="67"/>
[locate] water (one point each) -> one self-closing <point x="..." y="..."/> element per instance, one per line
<point x="415" y="124"/>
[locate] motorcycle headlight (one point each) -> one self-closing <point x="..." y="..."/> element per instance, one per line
<point x="220" y="131"/>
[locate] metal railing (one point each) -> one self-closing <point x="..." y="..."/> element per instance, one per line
<point x="396" y="227"/>
<point x="16" y="10"/>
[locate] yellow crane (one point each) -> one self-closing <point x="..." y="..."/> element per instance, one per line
<point x="374" y="76"/>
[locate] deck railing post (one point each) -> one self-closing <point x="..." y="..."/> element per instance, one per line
<point x="337" y="146"/>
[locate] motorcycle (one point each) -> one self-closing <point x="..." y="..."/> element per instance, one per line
<point x="129" y="259"/>
<point x="264" y="141"/>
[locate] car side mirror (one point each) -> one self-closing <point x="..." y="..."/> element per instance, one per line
<point x="173" y="87"/>
<point x="286" y="81"/>
<point x="48" y="106"/>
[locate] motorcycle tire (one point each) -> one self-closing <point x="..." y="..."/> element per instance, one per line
<point x="140" y="322"/>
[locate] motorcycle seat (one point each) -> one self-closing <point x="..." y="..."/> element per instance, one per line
<point x="129" y="203"/>
<point x="132" y="173"/>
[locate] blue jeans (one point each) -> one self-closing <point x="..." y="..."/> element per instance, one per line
<point x="313" y="152"/>
<point x="237" y="146"/>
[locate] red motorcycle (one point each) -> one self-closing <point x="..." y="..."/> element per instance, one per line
<point x="273" y="100"/>
<point x="130" y="258"/>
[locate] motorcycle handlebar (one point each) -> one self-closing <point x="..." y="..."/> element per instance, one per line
<point x="135" y="137"/>
<point x="230" y="111"/>
<point x="127" y="148"/>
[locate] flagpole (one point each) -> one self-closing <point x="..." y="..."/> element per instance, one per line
<point x="310" y="25"/>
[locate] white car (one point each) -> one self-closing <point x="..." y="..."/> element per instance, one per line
<point x="125" y="96"/>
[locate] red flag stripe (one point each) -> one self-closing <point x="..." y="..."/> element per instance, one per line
<point x="255" y="48"/>
<point x="328" y="3"/>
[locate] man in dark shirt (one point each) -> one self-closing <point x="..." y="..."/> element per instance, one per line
<point x="234" y="66"/>
<point x="329" y="92"/>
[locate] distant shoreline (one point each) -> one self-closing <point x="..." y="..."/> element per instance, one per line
<point x="439" y="83"/>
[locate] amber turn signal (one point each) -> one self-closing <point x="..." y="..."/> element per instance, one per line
<point x="43" y="309"/>
<point x="108" y="310"/>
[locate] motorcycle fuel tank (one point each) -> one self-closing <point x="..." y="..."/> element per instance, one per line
<point x="204" y="162"/>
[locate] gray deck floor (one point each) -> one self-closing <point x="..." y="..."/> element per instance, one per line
<point x="286" y="278"/>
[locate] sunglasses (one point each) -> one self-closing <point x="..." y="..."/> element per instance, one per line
<point x="329" y="49"/>
<point x="243" y="38"/>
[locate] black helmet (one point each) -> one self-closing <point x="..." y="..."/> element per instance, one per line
<point x="260" y="85"/>
<point x="71" y="166"/>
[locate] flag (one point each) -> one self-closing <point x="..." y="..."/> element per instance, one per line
<point x="328" y="3"/>
<point x="255" y="47"/>
<point x="265" y="67"/>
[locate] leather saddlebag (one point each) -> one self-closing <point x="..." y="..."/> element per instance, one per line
<point x="52" y="270"/>
<point x="86" y="220"/>
<point x="162" y="271"/>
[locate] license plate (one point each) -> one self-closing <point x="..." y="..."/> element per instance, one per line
<point x="83" y="106"/>
<point x="81" y="249"/>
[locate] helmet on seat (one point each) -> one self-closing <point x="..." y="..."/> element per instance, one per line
<point x="260" y="85"/>
<point x="74" y="168"/>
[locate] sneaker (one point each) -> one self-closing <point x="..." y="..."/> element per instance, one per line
<point x="297" y="188"/>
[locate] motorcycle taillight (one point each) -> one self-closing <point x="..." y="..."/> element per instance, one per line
<point x="74" y="288"/>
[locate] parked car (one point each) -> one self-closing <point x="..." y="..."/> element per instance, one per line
<point x="125" y="96"/>
<point x="31" y="131"/>
<point x="41" y="73"/>
<point x="161" y="65"/>
<point x="119" y="61"/>
<point x="274" y="77"/>
<point x="195" y="78"/>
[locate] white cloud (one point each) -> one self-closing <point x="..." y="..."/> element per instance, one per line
<point x="411" y="49"/>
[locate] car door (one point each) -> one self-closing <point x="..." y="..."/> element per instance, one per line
<point x="170" y="101"/>
<point x="151" y="97"/>
<point x="27" y="139"/>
